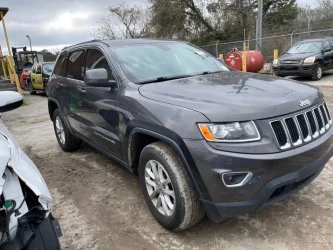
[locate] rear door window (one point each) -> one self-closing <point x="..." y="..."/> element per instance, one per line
<point x="60" y="67"/>
<point x="74" y="65"/>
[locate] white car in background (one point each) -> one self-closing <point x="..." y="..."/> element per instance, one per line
<point x="25" y="201"/>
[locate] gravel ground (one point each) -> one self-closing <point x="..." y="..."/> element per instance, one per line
<point x="100" y="206"/>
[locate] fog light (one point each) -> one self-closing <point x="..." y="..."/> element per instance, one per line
<point x="236" y="179"/>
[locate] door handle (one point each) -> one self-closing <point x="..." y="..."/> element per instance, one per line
<point x="81" y="89"/>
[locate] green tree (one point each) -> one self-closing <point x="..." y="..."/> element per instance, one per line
<point x="48" y="56"/>
<point x="168" y="19"/>
<point x="223" y="20"/>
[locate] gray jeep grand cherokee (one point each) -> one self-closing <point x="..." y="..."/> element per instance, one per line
<point x="202" y="138"/>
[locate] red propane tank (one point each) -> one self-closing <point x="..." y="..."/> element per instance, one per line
<point x="254" y="60"/>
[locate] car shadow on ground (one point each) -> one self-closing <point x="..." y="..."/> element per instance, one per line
<point x="327" y="76"/>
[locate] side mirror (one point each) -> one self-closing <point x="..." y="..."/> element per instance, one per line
<point x="10" y="100"/>
<point x="327" y="49"/>
<point x="99" y="78"/>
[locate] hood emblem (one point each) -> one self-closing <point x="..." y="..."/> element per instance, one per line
<point x="303" y="103"/>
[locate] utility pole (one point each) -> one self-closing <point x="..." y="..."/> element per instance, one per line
<point x="259" y="26"/>
<point x="29" y="42"/>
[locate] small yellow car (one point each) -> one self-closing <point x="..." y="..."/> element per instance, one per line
<point x="39" y="76"/>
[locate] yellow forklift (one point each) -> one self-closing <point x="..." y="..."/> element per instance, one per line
<point x="14" y="64"/>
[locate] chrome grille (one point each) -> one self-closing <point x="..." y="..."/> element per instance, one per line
<point x="302" y="127"/>
<point x="290" y="62"/>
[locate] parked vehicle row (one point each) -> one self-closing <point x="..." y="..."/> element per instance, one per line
<point x="203" y="138"/>
<point x="38" y="77"/>
<point x="306" y="58"/>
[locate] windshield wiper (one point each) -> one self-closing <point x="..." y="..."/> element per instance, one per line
<point x="164" y="78"/>
<point x="167" y="78"/>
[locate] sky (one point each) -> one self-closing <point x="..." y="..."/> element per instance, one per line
<point x="54" y="24"/>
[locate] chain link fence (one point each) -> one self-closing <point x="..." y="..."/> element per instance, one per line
<point x="269" y="44"/>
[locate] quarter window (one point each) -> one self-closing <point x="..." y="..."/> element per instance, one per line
<point x="96" y="60"/>
<point x="74" y="65"/>
<point x="60" y="67"/>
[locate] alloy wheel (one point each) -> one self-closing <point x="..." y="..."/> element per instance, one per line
<point x="319" y="72"/>
<point x="160" y="188"/>
<point x="60" y="130"/>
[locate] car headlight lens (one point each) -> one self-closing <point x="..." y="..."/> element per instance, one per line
<point x="309" y="60"/>
<point x="276" y="62"/>
<point x="230" y="132"/>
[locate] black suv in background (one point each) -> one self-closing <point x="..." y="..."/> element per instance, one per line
<point x="306" y="58"/>
<point x="202" y="138"/>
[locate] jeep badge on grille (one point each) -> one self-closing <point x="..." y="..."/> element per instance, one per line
<point x="304" y="102"/>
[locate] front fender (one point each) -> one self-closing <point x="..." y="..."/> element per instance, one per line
<point x="178" y="145"/>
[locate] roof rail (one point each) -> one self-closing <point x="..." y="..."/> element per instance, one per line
<point x="91" y="41"/>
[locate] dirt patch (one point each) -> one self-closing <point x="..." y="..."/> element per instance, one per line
<point x="100" y="206"/>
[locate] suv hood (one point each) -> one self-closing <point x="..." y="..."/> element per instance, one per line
<point x="234" y="96"/>
<point x="296" y="57"/>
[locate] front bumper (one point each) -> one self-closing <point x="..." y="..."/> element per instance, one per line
<point x="45" y="236"/>
<point x="275" y="176"/>
<point x="295" y="69"/>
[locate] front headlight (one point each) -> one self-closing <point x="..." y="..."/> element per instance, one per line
<point x="230" y="132"/>
<point x="276" y="62"/>
<point x="309" y="60"/>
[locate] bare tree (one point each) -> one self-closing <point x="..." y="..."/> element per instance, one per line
<point x="123" y="22"/>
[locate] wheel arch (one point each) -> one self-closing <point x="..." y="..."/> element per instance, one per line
<point x="52" y="105"/>
<point x="134" y="149"/>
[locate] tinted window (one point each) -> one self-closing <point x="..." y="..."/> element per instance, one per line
<point x="60" y="67"/>
<point x="327" y="45"/>
<point x="96" y="60"/>
<point x="145" y="62"/>
<point x="74" y="65"/>
<point x="47" y="68"/>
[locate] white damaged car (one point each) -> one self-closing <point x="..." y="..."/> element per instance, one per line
<point x="25" y="201"/>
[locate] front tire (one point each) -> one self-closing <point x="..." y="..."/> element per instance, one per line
<point x="67" y="141"/>
<point x="167" y="188"/>
<point x="318" y="73"/>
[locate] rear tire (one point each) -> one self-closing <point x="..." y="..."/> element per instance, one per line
<point x="31" y="89"/>
<point x="317" y="75"/>
<point x="181" y="208"/>
<point x="26" y="85"/>
<point x="67" y="141"/>
<point x="45" y="89"/>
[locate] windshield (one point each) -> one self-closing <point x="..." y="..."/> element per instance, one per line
<point x="147" y="62"/>
<point x="27" y="68"/>
<point x="310" y="47"/>
<point x="47" y="68"/>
